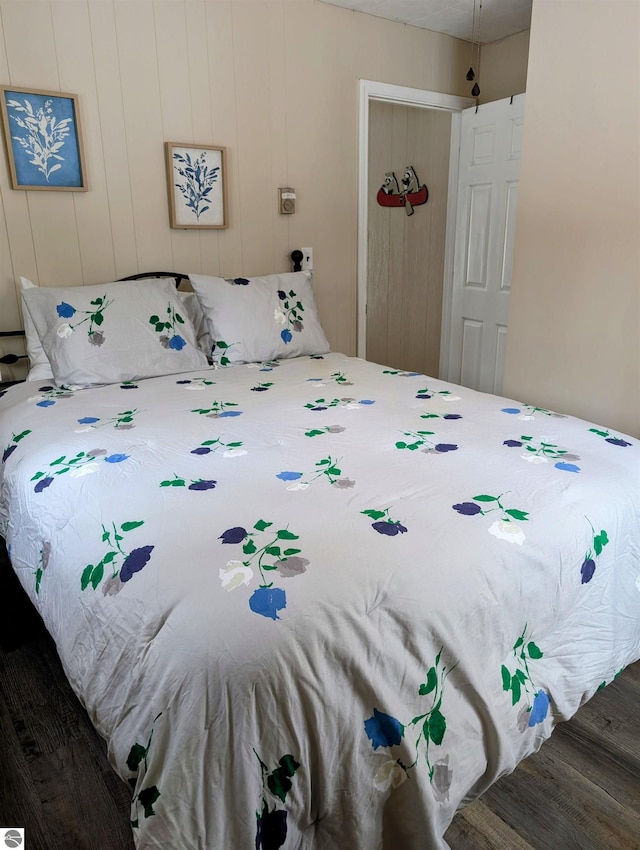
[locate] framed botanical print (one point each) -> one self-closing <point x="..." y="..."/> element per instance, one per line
<point x="196" y="177"/>
<point x="43" y="139"/>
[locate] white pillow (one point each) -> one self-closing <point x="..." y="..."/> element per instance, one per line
<point x="39" y="366"/>
<point x="114" y="332"/>
<point x="260" y="318"/>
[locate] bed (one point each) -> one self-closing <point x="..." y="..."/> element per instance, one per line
<point x="309" y="601"/>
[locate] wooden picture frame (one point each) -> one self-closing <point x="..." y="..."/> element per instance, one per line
<point x="43" y="138"/>
<point x="196" y="185"/>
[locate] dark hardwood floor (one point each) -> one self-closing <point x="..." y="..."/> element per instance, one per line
<point x="580" y="792"/>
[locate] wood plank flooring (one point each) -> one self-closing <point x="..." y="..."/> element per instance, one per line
<point x="580" y="792"/>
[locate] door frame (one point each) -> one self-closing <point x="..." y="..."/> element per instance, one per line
<point x="405" y="96"/>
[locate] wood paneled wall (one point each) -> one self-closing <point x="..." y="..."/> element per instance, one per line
<point x="275" y="81"/>
<point x="406" y="252"/>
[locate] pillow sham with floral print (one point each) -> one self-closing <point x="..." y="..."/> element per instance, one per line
<point x="255" y="319"/>
<point x="114" y="332"/>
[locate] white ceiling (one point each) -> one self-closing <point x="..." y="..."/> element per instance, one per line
<point x="498" y="18"/>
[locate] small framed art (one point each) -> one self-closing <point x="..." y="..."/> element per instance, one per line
<point x="196" y="178"/>
<point x="43" y="139"/>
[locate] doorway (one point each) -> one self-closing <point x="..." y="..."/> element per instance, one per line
<point x="372" y="276"/>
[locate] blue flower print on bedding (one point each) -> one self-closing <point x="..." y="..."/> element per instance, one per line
<point x="83" y="463"/>
<point x="237" y="281"/>
<point x="13" y="445"/>
<point x="271" y="826"/>
<point x="419" y="440"/>
<point x="289" y="312"/>
<point x="324" y="468"/>
<point x="598" y="542"/>
<point x="385" y="732"/>
<point x="527" y="412"/>
<point x="166" y="327"/>
<point x="218" y="410"/>
<point x="122" y="564"/>
<point x="95" y="318"/>
<point x="48" y="395"/>
<point x="543" y="451"/>
<point x="610" y="438"/>
<point x="384" y="524"/>
<point x="121" y="422"/>
<point x="537" y="700"/>
<point x="274" y="555"/>
<point x="261" y="388"/>
<point x="504" y="528"/>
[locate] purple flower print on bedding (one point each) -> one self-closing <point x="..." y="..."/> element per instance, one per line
<point x="122" y="564"/>
<point x="267" y="551"/>
<point x="418" y="440"/>
<point x="13" y="445"/>
<point x="504" y="528"/>
<point x="610" y="438"/>
<point x="383" y="523"/>
<point x="598" y="542"/>
<point x="271" y="823"/>
<point x="542" y="451"/>
<point x="83" y="463"/>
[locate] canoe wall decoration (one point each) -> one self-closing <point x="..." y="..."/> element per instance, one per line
<point x="408" y="194"/>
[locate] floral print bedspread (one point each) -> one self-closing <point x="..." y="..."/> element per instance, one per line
<point x="319" y="603"/>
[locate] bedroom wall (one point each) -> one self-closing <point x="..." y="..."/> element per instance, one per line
<point x="503" y="69"/>
<point x="275" y="81"/>
<point x="574" y="326"/>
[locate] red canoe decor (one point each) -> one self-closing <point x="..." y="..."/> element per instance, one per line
<point x="411" y="195"/>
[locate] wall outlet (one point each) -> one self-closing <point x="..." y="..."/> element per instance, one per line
<point x="307" y="259"/>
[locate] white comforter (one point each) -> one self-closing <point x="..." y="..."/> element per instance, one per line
<point x="319" y="604"/>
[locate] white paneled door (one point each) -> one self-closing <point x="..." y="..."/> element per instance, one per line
<point x="487" y="197"/>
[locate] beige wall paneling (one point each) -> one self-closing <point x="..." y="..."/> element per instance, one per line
<point x="32" y="60"/>
<point x="311" y="36"/>
<point x="280" y="224"/>
<point x="138" y="59"/>
<point x="113" y="138"/>
<point x="13" y="209"/>
<point x="221" y="44"/>
<point x="177" y="108"/>
<point x="72" y="35"/>
<point x="205" y="259"/>
<point x="274" y="81"/>
<point x="574" y="335"/>
<point x="504" y="67"/>
<point x="356" y="61"/>
<point x="252" y="81"/>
